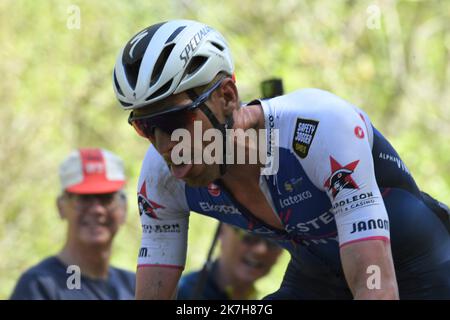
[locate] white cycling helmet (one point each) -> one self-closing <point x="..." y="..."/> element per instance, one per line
<point x="168" y="58"/>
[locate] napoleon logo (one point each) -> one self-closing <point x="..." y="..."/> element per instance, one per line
<point x="341" y="177"/>
<point x="147" y="206"/>
<point x="305" y="130"/>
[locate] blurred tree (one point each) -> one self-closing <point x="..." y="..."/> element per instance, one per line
<point x="389" y="57"/>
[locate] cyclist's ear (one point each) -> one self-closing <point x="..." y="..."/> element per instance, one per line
<point x="228" y="95"/>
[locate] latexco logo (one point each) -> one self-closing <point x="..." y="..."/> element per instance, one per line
<point x="297" y="198"/>
<point x="242" y="147"/>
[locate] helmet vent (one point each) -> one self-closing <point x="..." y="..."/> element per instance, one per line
<point x="218" y="46"/>
<point x="196" y="63"/>
<point x="132" y="72"/>
<point x="161" y="90"/>
<point x="175" y="33"/>
<point x="125" y="104"/>
<point x="160" y="63"/>
<point x="134" y="52"/>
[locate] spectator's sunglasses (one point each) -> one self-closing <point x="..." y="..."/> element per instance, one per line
<point x="253" y="239"/>
<point x="108" y="200"/>
<point x="171" y="118"/>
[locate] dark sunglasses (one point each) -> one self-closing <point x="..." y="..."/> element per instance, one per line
<point x="171" y="118"/>
<point x="105" y="199"/>
<point x="253" y="239"/>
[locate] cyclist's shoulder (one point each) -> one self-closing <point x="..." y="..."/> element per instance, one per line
<point x="310" y="102"/>
<point x="309" y="113"/>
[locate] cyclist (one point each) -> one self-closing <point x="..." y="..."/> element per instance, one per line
<point x="340" y="200"/>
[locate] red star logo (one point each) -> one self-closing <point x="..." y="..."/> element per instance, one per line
<point x="147" y="206"/>
<point x="340" y="177"/>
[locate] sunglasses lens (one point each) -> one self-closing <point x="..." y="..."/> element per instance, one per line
<point x="143" y="129"/>
<point x="252" y="240"/>
<point x="166" y="122"/>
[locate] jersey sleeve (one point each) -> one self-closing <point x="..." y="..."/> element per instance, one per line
<point x="164" y="215"/>
<point x="333" y="143"/>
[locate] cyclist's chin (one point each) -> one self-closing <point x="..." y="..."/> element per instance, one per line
<point x="201" y="175"/>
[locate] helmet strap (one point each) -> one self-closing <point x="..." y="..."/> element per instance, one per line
<point x="222" y="127"/>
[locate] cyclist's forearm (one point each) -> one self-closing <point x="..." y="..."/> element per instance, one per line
<point x="369" y="270"/>
<point x="156" y="283"/>
<point x="389" y="291"/>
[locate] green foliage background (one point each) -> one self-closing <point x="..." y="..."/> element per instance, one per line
<point x="389" y="57"/>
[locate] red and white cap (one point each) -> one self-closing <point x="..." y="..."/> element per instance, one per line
<point x="92" y="171"/>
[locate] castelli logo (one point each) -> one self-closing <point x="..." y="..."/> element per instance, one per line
<point x="214" y="190"/>
<point x="359" y="132"/>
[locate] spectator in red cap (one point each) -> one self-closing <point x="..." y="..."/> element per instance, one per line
<point x="94" y="205"/>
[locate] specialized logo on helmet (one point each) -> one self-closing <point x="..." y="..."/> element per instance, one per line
<point x="147" y="206"/>
<point x="136" y="40"/>
<point x="193" y="44"/>
<point x="340" y="177"/>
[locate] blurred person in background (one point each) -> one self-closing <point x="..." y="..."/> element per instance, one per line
<point x="244" y="258"/>
<point x="94" y="205"/>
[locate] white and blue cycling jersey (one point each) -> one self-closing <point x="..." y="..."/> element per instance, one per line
<point x="338" y="181"/>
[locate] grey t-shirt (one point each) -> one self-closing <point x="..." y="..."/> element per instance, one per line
<point x="48" y="280"/>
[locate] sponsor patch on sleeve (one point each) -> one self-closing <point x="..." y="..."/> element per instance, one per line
<point x="305" y="130"/>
